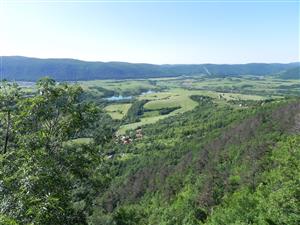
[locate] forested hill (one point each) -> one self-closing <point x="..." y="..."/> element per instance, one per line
<point x="31" y="69"/>
<point x="214" y="165"/>
<point x="293" y="73"/>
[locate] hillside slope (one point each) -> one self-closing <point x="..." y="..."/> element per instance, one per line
<point x="31" y="69"/>
<point x="214" y="165"/>
<point x="293" y="73"/>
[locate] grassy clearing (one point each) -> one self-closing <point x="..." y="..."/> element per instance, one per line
<point x="123" y="87"/>
<point x="179" y="97"/>
<point x="144" y="121"/>
<point x="264" y="86"/>
<point x="151" y="113"/>
<point x="117" y="111"/>
<point x="79" y="141"/>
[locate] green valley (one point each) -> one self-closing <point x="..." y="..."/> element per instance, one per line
<point x="171" y="96"/>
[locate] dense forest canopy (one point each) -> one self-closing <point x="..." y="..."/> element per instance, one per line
<point x="223" y="161"/>
<point x="31" y="69"/>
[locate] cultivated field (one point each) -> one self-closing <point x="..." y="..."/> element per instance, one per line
<point x="117" y="111"/>
<point x="174" y="94"/>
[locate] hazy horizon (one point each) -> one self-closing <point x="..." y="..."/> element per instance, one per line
<point x="77" y="59"/>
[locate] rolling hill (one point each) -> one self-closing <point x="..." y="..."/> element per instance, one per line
<point x="293" y="73"/>
<point x="31" y="69"/>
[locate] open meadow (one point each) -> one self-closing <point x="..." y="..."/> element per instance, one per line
<point x="160" y="98"/>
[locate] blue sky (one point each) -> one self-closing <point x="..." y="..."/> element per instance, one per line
<point x="156" y="32"/>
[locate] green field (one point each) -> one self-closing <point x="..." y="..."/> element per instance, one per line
<point x="122" y="87"/>
<point x="177" y="91"/>
<point x="178" y="97"/>
<point x="117" y="111"/>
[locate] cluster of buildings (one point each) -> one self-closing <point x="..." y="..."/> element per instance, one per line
<point x="128" y="139"/>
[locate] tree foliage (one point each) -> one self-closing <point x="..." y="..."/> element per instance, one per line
<point x="39" y="182"/>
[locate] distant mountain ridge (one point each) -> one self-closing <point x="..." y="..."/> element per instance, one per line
<point x="31" y="69"/>
<point x="293" y="73"/>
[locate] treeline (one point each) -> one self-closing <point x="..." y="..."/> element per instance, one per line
<point x="135" y="111"/>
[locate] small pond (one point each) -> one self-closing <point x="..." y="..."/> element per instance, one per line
<point x="118" y="98"/>
<point x="121" y="97"/>
<point x="148" y="92"/>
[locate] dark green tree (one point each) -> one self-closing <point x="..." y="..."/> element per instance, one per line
<point x="39" y="180"/>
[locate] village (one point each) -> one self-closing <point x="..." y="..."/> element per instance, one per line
<point x="126" y="139"/>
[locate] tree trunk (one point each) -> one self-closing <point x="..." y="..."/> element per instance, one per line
<point x="7" y="133"/>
